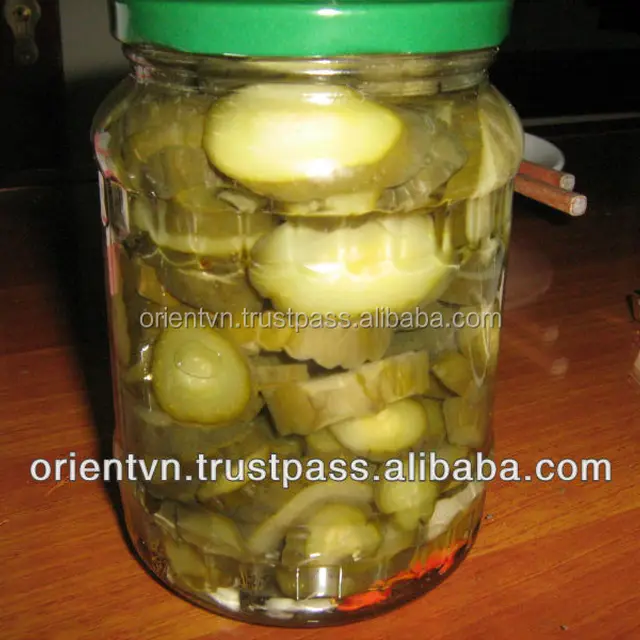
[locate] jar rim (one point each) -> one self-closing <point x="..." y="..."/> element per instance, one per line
<point x="307" y="28"/>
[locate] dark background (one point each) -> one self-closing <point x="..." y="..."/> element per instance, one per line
<point x="563" y="58"/>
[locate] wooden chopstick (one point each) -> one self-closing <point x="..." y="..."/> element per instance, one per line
<point x="574" y="204"/>
<point x="560" y="179"/>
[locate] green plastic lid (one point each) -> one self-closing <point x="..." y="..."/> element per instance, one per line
<point x="306" y="28"/>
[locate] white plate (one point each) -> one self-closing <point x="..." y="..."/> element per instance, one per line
<point x="542" y="152"/>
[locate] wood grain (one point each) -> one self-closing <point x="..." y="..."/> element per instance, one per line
<point x="553" y="560"/>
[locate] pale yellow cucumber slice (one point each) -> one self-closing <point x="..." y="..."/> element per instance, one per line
<point x="467" y="419"/>
<point x="410" y="501"/>
<point x="390" y="263"/>
<point x="268" y="536"/>
<point x="394" y="430"/>
<point x="346" y="347"/>
<point x="454" y="371"/>
<point x="346" y="204"/>
<point x="302" y="142"/>
<point x="198" y="376"/>
<point x="305" y="407"/>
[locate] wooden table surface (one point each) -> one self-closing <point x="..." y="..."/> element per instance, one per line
<point x="553" y="559"/>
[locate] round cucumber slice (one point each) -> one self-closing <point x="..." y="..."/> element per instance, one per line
<point x="198" y="376"/>
<point x="390" y="263"/>
<point x="393" y="430"/>
<point x="268" y="535"/>
<point x="297" y="143"/>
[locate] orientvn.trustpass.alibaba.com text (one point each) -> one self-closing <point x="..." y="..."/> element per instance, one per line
<point x="414" y="467"/>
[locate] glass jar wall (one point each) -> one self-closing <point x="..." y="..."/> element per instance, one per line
<point x="306" y="260"/>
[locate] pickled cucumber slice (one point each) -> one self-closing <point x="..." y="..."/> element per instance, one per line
<point x="442" y="156"/>
<point x="339" y="533"/>
<point x="346" y="204"/>
<point x="120" y="331"/>
<point x="467" y="419"/>
<point x="198" y="376"/>
<point x="346" y="347"/>
<point x="209" y="532"/>
<point x="395" y="429"/>
<point x="303" y="142"/>
<point x="149" y="287"/>
<point x="198" y="221"/>
<point x="305" y="407"/>
<point x="186" y="565"/>
<point x="448" y="509"/>
<point x="158" y="121"/>
<point x="175" y="169"/>
<point x="436" y="431"/>
<point x="268" y="535"/>
<point x="454" y="371"/>
<point x="268" y="377"/>
<point x="479" y="278"/>
<point x="234" y="480"/>
<point x="324" y="445"/>
<point x="254" y="332"/>
<point x="154" y="433"/>
<point x="480" y="345"/>
<point x="410" y="501"/>
<point x="493" y="137"/>
<point x="451" y="454"/>
<point x="395" y="539"/>
<point x="223" y="290"/>
<point x="391" y="263"/>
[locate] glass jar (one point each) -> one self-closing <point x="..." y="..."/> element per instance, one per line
<point x="306" y="248"/>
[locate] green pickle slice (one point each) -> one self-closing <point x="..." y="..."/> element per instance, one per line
<point x="391" y="263"/>
<point x="249" y="138"/>
<point x="454" y="371"/>
<point x="198" y="376"/>
<point x="410" y="501"/>
<point x="395" y="429"/>
<point x="298" y="510"/>
<point x="223" y="289"/>
<point x="308" y="406"/>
